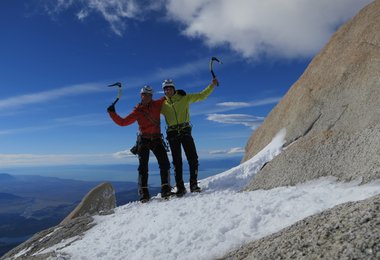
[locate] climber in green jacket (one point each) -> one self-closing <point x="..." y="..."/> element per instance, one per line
<point x="177" y="116"/>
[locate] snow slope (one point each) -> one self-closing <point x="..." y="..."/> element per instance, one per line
<point x="212" y="223"/>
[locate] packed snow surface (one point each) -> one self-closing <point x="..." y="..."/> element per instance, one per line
<point x="210" y="224"/>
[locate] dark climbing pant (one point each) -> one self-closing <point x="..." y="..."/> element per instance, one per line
<point x="156" y="146"/>
<point x="178" y="139"/>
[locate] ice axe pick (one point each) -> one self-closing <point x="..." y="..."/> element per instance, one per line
<point x="118" y="85"/>
<point x="211" y="62"/>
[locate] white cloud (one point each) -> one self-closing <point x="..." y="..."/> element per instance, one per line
<point x="44" y="96"/>
<point x="29" y="159"/>
<point x="253" y="28"/>
<point x="25" y="129"/>
<point x="174" y="72"/>
<point x="7" y="160"/>
<point x="234" y="150"/>
<point x="94" y="119"/>
<point x="214" y="107"/>
<point x="88" y="88"/>
<point x="123" y="154"/>
<point x="288" y="29"/>
<point x="237" y="119"/>
<point x="235" y="105"/>
<point x="127" y="154"/>
<point x="181" y="70"/>
<point x="82" y="14"/>
<point x="85" y="120"/>
<point x="115" y="12"/>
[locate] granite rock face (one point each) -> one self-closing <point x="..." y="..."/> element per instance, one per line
<point x="331" y="114"/>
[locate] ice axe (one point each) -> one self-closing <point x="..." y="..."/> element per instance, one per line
<point x="118" y="84"/>
<point x="212" y="71"/>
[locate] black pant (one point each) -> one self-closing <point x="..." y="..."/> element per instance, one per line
<point x="157" y="147"/>
<point x="176" y="140"/>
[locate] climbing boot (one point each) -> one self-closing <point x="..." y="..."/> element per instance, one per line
<point x="144" y="195"/>
<point x="194" y="186"/>
<point x="166" y="191"/>
<point x="181" y="190"/>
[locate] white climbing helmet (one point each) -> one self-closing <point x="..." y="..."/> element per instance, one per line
<point x="168" y="83"/>
<point x="147" y="90"/>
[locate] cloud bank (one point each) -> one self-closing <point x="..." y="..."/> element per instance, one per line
<point x="287" y="29"/>
<point x="253" y="28"/>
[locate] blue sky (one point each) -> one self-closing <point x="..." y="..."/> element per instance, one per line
<point x="57" y="57"/>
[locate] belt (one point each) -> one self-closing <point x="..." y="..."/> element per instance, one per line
<point x="179" y="126"/>
<point x="150" y="136"/>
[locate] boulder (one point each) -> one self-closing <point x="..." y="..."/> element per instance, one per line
<point x="100" y="200"/>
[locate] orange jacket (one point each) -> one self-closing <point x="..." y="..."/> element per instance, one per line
<point x="147" y="126"/>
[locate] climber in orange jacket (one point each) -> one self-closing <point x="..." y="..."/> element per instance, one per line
<point x="147" y="115"/>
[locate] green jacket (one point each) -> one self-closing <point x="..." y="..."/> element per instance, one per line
<point x="176" y="108"/>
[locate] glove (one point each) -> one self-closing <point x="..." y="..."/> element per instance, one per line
<point x="111" y="108"/>
<point x="181" y="92"/>
<point x="215" y="82"/>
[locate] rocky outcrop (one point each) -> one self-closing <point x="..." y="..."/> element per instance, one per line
<point x="348" y="231"/>
<point x="331" y="114"/>
<point x="100" y="200"/>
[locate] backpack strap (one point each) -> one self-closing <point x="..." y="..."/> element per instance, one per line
<point x="151" y="119"/>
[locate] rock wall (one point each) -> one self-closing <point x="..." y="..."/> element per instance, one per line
<point x="331" y="114"/>
<point x="332" y="118"/>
